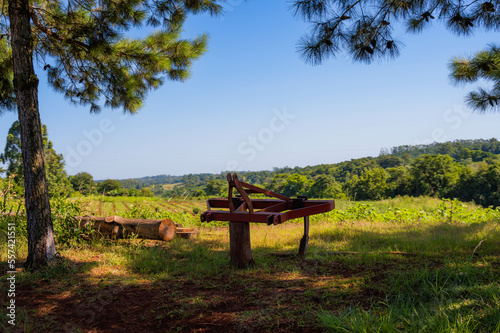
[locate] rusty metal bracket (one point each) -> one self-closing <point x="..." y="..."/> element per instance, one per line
<point x="270" y="211"/>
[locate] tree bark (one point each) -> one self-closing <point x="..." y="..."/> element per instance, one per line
<point x="41" y="246"/>
<point x="239" y="244"/>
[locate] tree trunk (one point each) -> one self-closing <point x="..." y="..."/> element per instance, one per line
<point x="41" y="246"/>
<point x="239" y="244"/>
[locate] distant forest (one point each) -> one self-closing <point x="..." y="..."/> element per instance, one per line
<point x="468" y="170"/>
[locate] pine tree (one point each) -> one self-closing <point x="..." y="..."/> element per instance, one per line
<point x="57" y="178"/>
<point x="12" y="154"/>
<point x="81" y="44"/>
<point x="366" y="30"/>
<point x="483" y="65"/>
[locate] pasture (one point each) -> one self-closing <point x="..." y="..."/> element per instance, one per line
<point x="401" y="265"/>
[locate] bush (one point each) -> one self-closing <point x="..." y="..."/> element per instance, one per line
<point x="66" y="228"/>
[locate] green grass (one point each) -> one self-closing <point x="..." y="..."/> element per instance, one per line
<point x="104" y="206"/>
<point x="454" y="298"/>
<point x="365" y="271"/>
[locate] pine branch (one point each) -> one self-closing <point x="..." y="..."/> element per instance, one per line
<point x="366" y="42"/>
<point x="48" y="32"/>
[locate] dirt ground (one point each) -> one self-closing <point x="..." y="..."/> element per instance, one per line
<point x="258" y="303"/>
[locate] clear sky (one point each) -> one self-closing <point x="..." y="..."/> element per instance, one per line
<point x="253" y="104"/>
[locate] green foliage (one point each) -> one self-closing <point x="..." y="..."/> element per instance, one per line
<point x="400" y="171"/>
<point x="7" y="97"/>
<point x="294" y="185"/>
<point x="454" y="149"/>
<point x="448" y="211"/>
<point x="131" y="183"/>
<point x="82" y="46"/>
<point x="483" y="65"/>
<point x="12" y="154"/>
<point x="277" y="182"/>
<point x="158" y="190"/>
<point x="8" y="193"/>
<point x="145" y="192"/>
<point x="398" y="181"/>
<point x="474" y="155"/>
<point x="112" y="188"/>
<point x="367" y="30"/>
<point x="372" y="184"/>
<point x="66" y="229"/>
<point x="346" y="170"/>
<point x="108" y="185"/>
<point x="12" y="212"/>
<point x="483" y="187"/>
<point x="138" y="211"/>
<point x="390" y="161"/>
<point x="325" y="186"/>
<point x="458" y="298"/>
<point x="57" y="179"/>
<point x="434" y="174"/>
<point x="216" y="187"/>
<point x="290" y="185"/>
<point x="89" y="59"/>
<point x="83" y="182"/>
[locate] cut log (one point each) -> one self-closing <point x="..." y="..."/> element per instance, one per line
<point x="152" y="229"/>
<point x="119" y="227"/>
<point x="99" y="224"/>
<point x="186" y="232"/>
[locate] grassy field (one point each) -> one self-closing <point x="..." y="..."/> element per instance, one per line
<point x="402" y="265"/>
<point x="123" y="206"/>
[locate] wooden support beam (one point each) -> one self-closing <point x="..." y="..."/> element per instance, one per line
<point x="239" y="244"/>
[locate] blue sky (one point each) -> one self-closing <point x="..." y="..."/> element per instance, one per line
<point x="253" y="104"/>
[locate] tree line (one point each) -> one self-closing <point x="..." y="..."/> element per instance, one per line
<point x="468" y="170"/>
<point x="386" y="176"/>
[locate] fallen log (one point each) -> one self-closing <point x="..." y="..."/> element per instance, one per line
<point x="119" y="227"/>
<point x="153" y="229"/>
<point x="99" y="224"/>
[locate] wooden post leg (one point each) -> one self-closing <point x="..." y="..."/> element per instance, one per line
<point x="305" y="239"/>
<point x="239" y="244"/>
